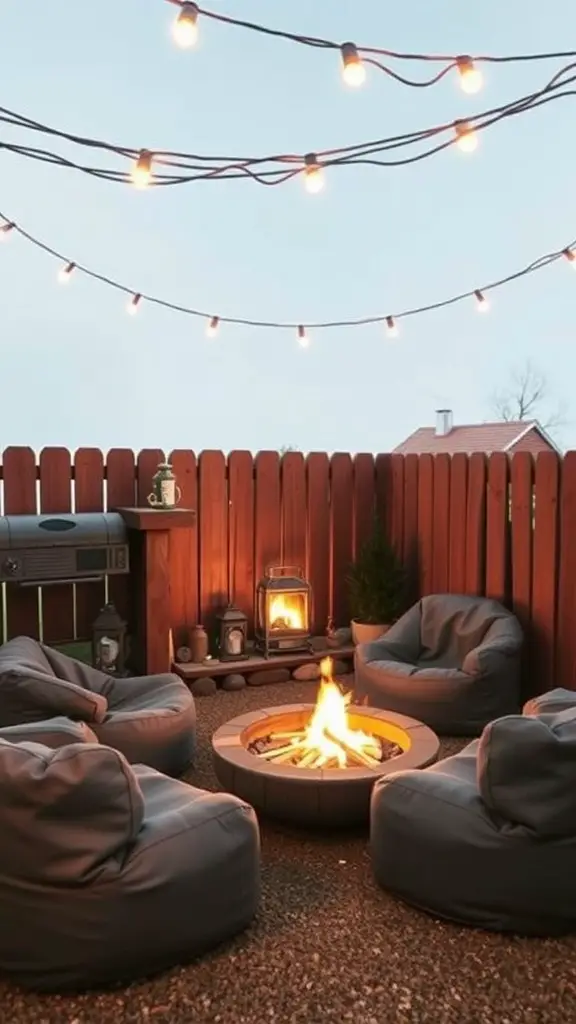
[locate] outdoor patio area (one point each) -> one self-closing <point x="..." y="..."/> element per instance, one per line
<point x="328" y="944"/>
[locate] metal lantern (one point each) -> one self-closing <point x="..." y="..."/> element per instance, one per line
<point x="283" y="611"/>
<point x="109" y="642"/>
<point x="232" y="627"/>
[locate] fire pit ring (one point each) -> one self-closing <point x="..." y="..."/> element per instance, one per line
<point x="314" y="797"/>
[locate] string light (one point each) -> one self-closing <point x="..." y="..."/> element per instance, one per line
<point x="469" y="80"/>
<point x="303" y="339"/>
<point x="470" y="75"/>
<point x="65" y="273"/>
<point x="466" y="137"/>
<point x="6" y="229"/>
<point x="482" y="304"/>
<point x="212" y="328"/>
<point x="570" y="255"/>
<point x="390" y="321"/>
<point x="180" y="168"/>
<point x="353" y="70"/>
<point x="391" y="327"/>
<point x="313" y="174"/>
<point x="185" y="26"/>
<point x="142" y="170"/>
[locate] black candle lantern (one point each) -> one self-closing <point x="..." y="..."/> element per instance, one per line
<point x="232" y="627"/>
<point x="109" y="642"/>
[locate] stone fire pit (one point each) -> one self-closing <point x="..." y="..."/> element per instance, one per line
<point x="269" y="759"/>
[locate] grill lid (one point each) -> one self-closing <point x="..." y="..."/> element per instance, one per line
<point x="83" y="529"/>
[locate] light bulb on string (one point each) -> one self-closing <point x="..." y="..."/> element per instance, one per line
<point x="391" y="327"/>
<point x="6" y="229"/>
<point x="471" y="80"/>
<point x="142" y="170"/>
<point x="313" y="174"/>
<point x="185" y="26"/>
<point x="570" y="255"/>
<point x="132" y="307"/>
<point x="482" y="304"/>
<point x="353" y="70"/>
<point x="65" y="273"/>
<point x="303" y="339"/>
<point x="466" y="137"/>
<point x="212" y="328"/>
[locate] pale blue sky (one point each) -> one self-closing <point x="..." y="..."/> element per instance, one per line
<point x="76" y="370"/>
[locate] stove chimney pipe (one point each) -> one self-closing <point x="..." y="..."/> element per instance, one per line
<point x="444" y="422"/>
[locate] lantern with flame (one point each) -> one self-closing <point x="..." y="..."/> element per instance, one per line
<point x="283" y="611"/>
<point x="232" y="626"/>
<point x="109" y="642"/>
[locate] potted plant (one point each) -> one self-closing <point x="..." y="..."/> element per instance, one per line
<point x="376" y="583"/>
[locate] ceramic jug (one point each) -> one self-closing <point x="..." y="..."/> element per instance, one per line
<point x="165" y="491"/>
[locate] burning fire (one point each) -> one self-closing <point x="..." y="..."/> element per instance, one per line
<point x="326" y="741"/>
<point x="286" y="613"/>
<point x="328" y="731"/>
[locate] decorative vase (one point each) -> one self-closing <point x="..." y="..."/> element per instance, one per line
<point x="199" y="644"/>
<point x="366" y="633"/>
<point x="165" y="492"/>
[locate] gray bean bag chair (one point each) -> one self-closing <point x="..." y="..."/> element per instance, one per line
<point x="109" y="873"/>
<point x="150" y="719"/>
<point x="53" y="733"/>
<point x="551" y="702"/>
<point x="452" y="662"/>
<point x="488" y="837"/>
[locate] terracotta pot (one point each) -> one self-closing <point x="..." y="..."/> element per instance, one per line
<point x="366" y="633"/>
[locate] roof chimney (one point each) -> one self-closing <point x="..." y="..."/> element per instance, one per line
<point x="444" y="422"/>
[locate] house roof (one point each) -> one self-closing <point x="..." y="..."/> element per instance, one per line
<point x="474" y="437"/>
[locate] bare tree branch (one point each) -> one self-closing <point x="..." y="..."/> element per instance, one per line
<point x="526" y="398"/>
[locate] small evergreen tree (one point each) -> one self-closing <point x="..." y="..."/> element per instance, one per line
<point x="376" y="581"/>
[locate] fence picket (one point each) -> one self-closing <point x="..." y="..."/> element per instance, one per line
<point x="88" y="497"/>
<point x="19" y="475"/>
<point x="241" y="532"/>
<point x="341" y="534"/>
<point x="184" y="551"/>
<point x="213" y="535"/>
<point x="565" y="646"/>
<point x="57" y="601"/>
<point x="318" y="546"/>
<point x="545" y="579"/>
<point x="441" y="523"/>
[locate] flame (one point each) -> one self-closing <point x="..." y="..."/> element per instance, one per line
<point x="286" y="613"/>
<point x="328" y="731"/>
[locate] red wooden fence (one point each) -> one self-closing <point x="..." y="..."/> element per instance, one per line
<point x="497" y="526"/>
<point x="252" y="512"/>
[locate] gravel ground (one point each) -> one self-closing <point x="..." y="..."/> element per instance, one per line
<point x="329" y="946"/>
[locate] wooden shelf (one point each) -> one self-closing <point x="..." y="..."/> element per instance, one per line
<point x="146" y="519"/>
<point x="257" y="663"/>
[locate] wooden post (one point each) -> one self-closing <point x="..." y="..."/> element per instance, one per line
<point x="149" y="532"/>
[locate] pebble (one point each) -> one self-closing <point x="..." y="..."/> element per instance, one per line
<point x="269" y="676"/>
<point x="204" y="687"/>
<point x="319" y="643"/>
<point x="233" y="682"/>
<point x="341" y="668"/>
<point x="304" y="673"/>
<point x="344" y="635"/>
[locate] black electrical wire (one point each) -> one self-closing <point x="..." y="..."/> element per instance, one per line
<point x="370" y="52"/>
<point x="566" y="252"/>
<point x="183" y="168"/>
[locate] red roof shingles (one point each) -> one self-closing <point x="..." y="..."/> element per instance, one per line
<point x="479" y="437"/>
